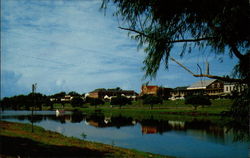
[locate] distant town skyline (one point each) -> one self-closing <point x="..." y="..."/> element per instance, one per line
<point x="72" y="46"/>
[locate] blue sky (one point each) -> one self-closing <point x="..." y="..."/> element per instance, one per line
<point x="72" y="46"/>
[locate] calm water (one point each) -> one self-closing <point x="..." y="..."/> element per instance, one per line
<point x="196" y="138"/>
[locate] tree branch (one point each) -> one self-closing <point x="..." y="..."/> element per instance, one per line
<point x="236" y="52"/>
<point x="226" y="79"/>
<point x="133" y="30"/>
<point x="173" y="41"/>
<point x="233" y="47"/>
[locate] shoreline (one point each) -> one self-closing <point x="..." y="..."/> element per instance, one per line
<point x="18" y="140"/>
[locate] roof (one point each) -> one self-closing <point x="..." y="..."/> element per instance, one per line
<point x="112" y="90"/>
<point x="180" y="88"/>
<point x="150" y="87"/>
<point x="201" y="84"/>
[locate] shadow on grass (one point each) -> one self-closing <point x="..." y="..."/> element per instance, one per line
<point x="23" y="147"/>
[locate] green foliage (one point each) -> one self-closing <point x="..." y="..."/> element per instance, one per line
<point x="77" y="102"/>
<point x="59" y="95"/>
<point x="197" y="100"/>
<point x="151" y="100"/>
<point x="74" y="94"/>
<point x="120" y="100"/>
<point x="239" y="112"/>
<point x="24" y="101"/>
<point x="96" y="101"/>
<point x="242" y="69"/>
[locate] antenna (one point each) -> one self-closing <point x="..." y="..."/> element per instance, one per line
<point x="32" y="113"/>
<point x="207" y="68"/>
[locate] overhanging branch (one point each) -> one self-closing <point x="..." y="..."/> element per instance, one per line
<point x="233" y="47"/>
<point x="173" y="41"/>
<point x="226" y="79"/>
<point x="236" y="52"/>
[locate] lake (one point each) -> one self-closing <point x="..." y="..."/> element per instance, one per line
<point x="186" y="139"/>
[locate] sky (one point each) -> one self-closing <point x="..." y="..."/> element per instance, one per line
<point x="73" y="46"/>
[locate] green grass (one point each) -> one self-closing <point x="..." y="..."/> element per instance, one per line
<point x="18" y="140"/>
<point x="176" y="110"/>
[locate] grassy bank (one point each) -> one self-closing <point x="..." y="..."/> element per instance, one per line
<point x="168" y="107"/>
<point x="17" y="140"/>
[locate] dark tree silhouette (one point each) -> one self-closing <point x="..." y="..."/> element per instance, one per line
<point x="120" y="100"/>
<point x="151" y="100"/>
<point x="197" y="100"/>
<point x="159" y="25"/>
<point x="77" y="102"/>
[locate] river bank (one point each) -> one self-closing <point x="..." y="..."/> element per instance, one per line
<point x="18" y="140"/>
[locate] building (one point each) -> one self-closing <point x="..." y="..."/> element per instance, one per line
<point x="103" y="93"/>
<point x="212" y="87"/>
<point x="67" y="98"/>
<point x="179" y="93"/>
<point x="156" y="91"/>
<point x="229" y="88"/>
<point x="149" y="90"/>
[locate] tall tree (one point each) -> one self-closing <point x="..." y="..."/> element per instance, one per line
<point x="223" y="25"/>
<point x="159" y="24"/>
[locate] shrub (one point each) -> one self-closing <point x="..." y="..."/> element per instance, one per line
<point x="151" y="100"/>
<point x="197" y="100"/>
<point x="96" y="101"/>
<point x="120" y="100"/>
<point x="77" y="102"/>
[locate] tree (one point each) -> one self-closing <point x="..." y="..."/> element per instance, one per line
<point x="74" y="94"/>
<point x="58" y="96"/>
<point x="37" y="100"/>
<point x="77" y="102"/>
<point x="159" y="25"/>
<point x="197" y="100"/>
<point x="239" y="111"/>
<point x="151" y="100"/>
<point x="120" y="100"/>
<point x="164" y="93"/>
<point x="96" y="101"/>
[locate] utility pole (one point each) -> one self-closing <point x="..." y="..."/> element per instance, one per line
<point x="34" y="101"/>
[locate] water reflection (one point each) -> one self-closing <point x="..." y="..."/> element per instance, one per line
<point x="99" y="120"/>
<point x="170" y="137"/>
<point x="202" y="128"/>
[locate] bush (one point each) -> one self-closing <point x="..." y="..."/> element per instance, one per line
<point x="151" y="100"/>
<point x="96" y="101"/>
<point x="120" y="100"/>
<point x="197" y="100"/>
<point x="77" y="102"/>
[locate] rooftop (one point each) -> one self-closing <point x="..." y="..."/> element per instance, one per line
<point x="201" y="84"/>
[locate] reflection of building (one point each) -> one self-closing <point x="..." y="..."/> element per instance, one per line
<point x="151" y="126"/>
<point x="102" y="121"/>
<point x="109" y="93"/>
<point x="149" y="129"/>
